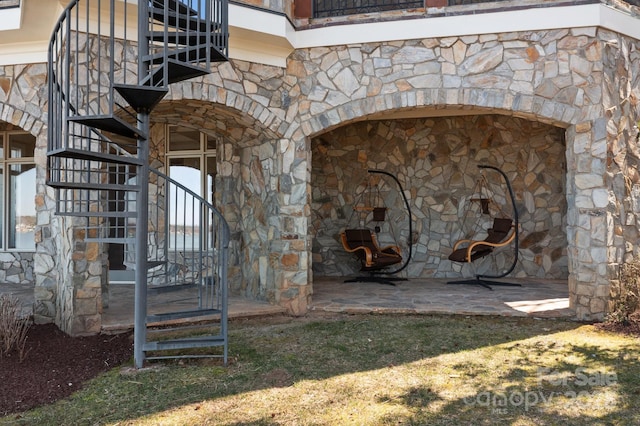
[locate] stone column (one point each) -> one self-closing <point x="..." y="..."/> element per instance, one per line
<point x="79" y="287"/>
<point x="273" y="189"/>
<point x="586" y="219"/>
<point x="228" y="186"/>
<point x="292" y="249"/>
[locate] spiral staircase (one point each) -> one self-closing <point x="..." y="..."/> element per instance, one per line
<point x="110" y="63"/>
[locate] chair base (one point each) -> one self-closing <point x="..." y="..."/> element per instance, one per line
<point x="484" y="283"/>
<point x="375" y="279"/>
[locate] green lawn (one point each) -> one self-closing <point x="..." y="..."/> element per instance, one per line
<point x="377" y="370"/>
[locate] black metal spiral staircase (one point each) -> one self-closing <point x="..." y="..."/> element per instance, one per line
<point x="110" y="63"/>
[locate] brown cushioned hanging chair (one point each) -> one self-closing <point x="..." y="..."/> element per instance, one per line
<point x="500" y="234"/>
<point x="362" y="242"/>
<point x="503" y="232"/>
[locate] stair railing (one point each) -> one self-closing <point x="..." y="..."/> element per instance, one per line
<point x="107" y="71"/>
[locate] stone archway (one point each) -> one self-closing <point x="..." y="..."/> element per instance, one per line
<point x="550" y="77"/>
<point x="436" y="159"/>
<point x="254" y="173"/>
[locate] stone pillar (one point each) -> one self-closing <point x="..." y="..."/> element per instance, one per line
<point x="292" y="249"/>
<point x="47" y="237"/>
<point x="621" y="112"/>
<point x="228" y="186"/>
<point x="274" y="216"/>
<point x="79" y="292"/>
<point x="587" y="219"/>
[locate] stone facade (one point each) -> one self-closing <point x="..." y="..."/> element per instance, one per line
<point x="16" y="267"/>
<point x="272" y="121"/>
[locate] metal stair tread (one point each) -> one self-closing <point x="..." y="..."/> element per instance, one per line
<point x="155" y="263"/>
<point x="109" y="123"/>
<point x="176" y="72"/>
<point x="141" y="98"/>
<point x="82" y="154"/>
<point x="196" y="313"/>
<point x="186" y="38"/>
<point x="92" y="186"/>
<point x="106" y="214"/>
<point x="185" y="343"/>
<point x="182" y="21"/>
<point x="160" y="289"/>
<point x="189" y="54"/>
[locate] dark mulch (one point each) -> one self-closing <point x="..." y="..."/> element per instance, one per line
<point x="629" y="328"/>
<point x="56" y="365"/>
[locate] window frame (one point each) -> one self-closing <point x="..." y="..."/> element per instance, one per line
<point x="203" y="154"/>
<point x="6" y="161"/>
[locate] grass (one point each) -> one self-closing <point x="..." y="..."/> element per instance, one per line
<point x="377" y="370"/>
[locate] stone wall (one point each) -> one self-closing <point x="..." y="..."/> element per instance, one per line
<point x="23" y="105"/>
<point x="16" y="267"/>
<point x="621" y="215"/>
<point x="582" y="80"/>
<point x="554" y="77"/>
<point x="436" y="160"/>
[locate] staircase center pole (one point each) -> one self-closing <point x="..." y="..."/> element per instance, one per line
<point x="142" y="228"/>
<point x="142" y="200"/>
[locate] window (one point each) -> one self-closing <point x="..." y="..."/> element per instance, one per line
<point x="17" y="191"/>
<point x="191" y="161"/>
<point x="10" y="14"/>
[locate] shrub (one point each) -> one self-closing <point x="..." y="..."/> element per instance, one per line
<point x="625" y="293"/>
<point x="13" y="327"/>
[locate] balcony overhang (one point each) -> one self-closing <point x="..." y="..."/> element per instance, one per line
<point x="269" y="38"/>
<point x="533" y="19"/>
<point x="261" y="36"/>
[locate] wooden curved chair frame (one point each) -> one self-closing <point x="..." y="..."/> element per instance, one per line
<point x="501" y="234"/>
<point x="363" y="243"/>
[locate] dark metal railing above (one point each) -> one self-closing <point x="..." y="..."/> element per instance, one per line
<point x="334" y="8"/>
<point x="337" y="8"/>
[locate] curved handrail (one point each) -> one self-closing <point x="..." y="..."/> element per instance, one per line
<point x="203" y="202"/>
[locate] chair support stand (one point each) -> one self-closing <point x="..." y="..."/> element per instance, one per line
<point x="480" y="279"/>
<point x="375" y="279"/>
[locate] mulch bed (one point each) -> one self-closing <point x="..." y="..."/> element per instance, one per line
<point x="56" y="365"/>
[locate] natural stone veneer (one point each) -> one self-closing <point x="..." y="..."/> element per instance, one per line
<point x="585" y="81"/>
<point x="436" y="160"/>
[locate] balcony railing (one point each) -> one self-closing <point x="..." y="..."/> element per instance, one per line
<point x="333" y="8"/>
<point x="337" y="8"/>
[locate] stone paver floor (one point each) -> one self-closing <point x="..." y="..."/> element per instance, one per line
<point x="538" y="298"/>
